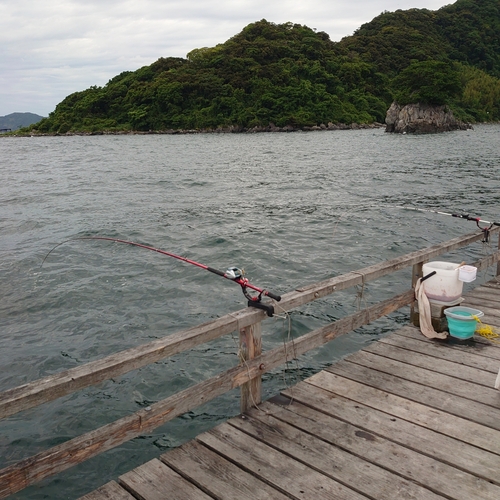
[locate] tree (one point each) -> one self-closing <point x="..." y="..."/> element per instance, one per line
<point x="427" y="82"/>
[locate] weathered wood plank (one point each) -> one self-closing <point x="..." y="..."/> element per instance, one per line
<point x="343" y="466"/>
<point x="498" y="263"/>
<point x="441" y="350"/>
<point x="432" y="364"/>
<point x="426" y="394"/>
<point x="47" y="463"/>
<point x="486" y="294"/>
<point x="478" y="345"/>
<point x="488" y="261"/>
<point x="109" y="491"/>
<point x="52" y="387"/>
<point x="55" y="386"/>
<point x="494" y="283"/>
<point x="376" y="449"/>
<point x="250" y="347"/>
<point x="156" y="481"/>
<point x="308" y="293"/>
<point x="490" y="310"/>
<point x="484" y="394"/>
<point x="309" y="399"/>
<point x="419" y="413"/>
<point x="216" y="475"/>
<point x="275" y="468"/>
<point x="64" y="456"/>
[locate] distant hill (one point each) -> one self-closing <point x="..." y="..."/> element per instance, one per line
<point x="289" y="76"/>
<point x="15" y="121"/>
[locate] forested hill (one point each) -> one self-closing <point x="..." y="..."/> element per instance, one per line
<point x="291" y="75"/>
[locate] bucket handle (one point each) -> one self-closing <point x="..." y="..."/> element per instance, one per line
<point x="428" y="276"/>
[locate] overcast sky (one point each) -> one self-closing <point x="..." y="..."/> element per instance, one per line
<point x="52" y="48"/>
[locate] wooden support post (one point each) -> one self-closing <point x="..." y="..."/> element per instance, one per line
<point x="416" y="274"/>
<point x="498" y="263"/>
<point x="251" y="347"/>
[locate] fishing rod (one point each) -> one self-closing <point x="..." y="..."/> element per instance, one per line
<point x="477" y="220"/>
<point x="233" y="273"/>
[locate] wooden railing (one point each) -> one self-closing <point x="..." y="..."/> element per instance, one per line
<point x="247" y="375"/>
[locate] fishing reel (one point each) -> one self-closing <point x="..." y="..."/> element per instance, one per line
<point x="233" y="273"/>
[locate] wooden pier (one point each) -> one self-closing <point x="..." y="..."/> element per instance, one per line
<point x="404" y="418"/>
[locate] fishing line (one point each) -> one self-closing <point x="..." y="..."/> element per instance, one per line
<point x="485" y="229"/>
<point x="232" y="273"/>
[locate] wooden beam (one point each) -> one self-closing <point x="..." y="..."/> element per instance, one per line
<point x="488" y="261"/>
<point x="415" y="276"/>
<point x="498" y="262"/>
<point x="59" y="458"/>
<point x="250" y="348"/>
<point x="52" y="387"/>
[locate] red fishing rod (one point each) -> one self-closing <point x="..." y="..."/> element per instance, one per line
<point x="232" y="273"/>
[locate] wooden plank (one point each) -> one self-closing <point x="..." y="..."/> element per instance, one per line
<point x="156" y="481"/>
<point x="424" y="440"/>
<point x="343" y="466"/>
<point x="490" y="310"/>
<point x="478" y="345"/>
<point x="426" y="471"/>
<point x="55" y="386"/>
<point x="488" y="261"/>
<point x="494" y="283"/>
<point x="308" y="293"/>
<point x="47" y="463"/>
<point x="284" y="473"/>
<point x="484" y="293"/>
<point x="216" y="475"/>
<point x="453" y="385"/>
<point x="440" y="350"/>
<point x="430" y="363"/>
<point x="250" y="340"/>
<point x="110" y="491"/>
<point x="64" y="456"/>
<point x="399" y="406"/>
<point x="425" y="394"/>
<point x="498" y="264"/>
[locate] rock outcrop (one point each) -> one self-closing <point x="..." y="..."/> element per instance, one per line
<point x="421" y="119"/>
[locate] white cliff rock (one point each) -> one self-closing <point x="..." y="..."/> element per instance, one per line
<point x="421" y="119"/>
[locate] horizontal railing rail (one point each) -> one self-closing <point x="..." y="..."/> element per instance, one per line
<point x="247" y="375"/>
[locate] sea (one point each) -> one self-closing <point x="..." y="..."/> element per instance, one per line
<point x="290" y="209"/>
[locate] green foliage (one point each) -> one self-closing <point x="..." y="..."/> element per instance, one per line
<point x="289" y="74"/>
<point x="481" y="95"/>
<point x="428" y="82"/>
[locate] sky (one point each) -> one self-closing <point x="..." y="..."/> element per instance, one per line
<point x="52" y="48"/>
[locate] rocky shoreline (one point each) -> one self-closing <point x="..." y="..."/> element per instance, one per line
<point x="233" y="129"/>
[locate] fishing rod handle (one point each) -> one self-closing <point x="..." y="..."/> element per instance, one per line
<point x="216" y="271"/>
<point x="277" y="298"/>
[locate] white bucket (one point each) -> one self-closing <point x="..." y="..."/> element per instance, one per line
<point x="444" y="286"/>
<point x="467" y="273"/>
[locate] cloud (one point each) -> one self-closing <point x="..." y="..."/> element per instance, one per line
<point x="52" y="48"/>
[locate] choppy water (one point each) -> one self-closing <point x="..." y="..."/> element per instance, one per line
<point x="290" y="209"/>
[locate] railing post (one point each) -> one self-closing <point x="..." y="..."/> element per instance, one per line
<point x="498" y="263"/>
<point x="250" y="347"/>
<point x="416" y="274"/>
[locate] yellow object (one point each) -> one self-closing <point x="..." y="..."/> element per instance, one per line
<point x="486" y="331"/>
